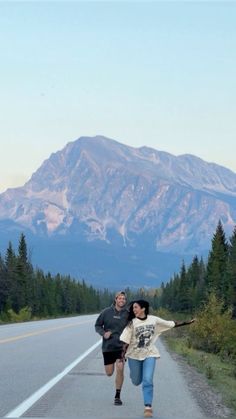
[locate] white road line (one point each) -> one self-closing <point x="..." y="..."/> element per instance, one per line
<point x="25" y="405"/>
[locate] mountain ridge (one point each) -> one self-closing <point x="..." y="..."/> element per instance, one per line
<point x="102" y="191"/>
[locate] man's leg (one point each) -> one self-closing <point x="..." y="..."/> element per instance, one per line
<point x="110" y="359"/>
<point x="119" y="374"/>
<point x="119" y="381"/>
<point x="109" y="369"/>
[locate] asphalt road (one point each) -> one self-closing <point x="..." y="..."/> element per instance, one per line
<point x="33" y="353"/>
<point x="54" y="368"/>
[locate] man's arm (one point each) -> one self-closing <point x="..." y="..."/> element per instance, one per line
<point x="99" y="325"/>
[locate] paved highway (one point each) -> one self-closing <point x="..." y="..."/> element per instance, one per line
<point x="54" y="368"/>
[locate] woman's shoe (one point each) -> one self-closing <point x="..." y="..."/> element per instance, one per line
<point x="148" y="412"/>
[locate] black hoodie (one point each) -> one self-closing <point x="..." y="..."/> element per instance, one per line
<point x="115" y="321"/>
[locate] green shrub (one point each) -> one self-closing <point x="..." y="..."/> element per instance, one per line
<point x="24" y="314"/>
<point x="214" y="331"/>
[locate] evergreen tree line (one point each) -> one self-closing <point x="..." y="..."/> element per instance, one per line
<point x="45" y="295"/>
<point x="42" y="295"/>
<point x="189" y="290"/>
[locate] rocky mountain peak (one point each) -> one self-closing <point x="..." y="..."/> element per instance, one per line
<point x="100" y="189"/>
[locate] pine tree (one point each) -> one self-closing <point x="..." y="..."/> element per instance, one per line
<point x="24" y="274"/>
<point x="184" y="290"/>
<point x="4" y="286"/>
<point x="232" y="272"/>
<point x="196" y="274"/>
<point x="216" y="276"/>
<point x="11" y="278"/>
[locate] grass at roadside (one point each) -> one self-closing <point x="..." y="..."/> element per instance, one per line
<point x="220" y="374"/>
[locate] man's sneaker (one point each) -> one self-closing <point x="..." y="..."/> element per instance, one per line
<point x="148" y="412"/>
<point x="117" y="401"/>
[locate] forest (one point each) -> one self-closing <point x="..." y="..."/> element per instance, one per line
<point x="190" y="289"/>
<point x="206" y="289"/>
<point x="28" y="293"/>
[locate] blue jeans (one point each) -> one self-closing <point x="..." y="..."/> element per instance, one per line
<point x="142" y="372"/>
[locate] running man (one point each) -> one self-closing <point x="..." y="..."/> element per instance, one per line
<point x="110" y="324"/>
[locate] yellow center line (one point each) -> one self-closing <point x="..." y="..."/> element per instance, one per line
<point x="40" y="332"/>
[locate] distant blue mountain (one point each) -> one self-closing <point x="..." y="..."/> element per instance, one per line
<point x="117" y="215"/>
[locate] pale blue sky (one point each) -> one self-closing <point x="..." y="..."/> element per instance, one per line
<point x="160" y="74"/>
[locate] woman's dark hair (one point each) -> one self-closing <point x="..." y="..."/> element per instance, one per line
<point x="142" y="304"/>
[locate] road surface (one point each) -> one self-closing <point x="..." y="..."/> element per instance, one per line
<point x="54" y="368"/>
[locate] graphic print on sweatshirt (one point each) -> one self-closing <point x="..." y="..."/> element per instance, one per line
<point x="143" y="335"/>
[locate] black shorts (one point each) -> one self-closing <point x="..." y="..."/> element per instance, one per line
<point x="111" y="357"/>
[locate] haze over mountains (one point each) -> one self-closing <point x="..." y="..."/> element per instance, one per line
<point x="117" y="215"/>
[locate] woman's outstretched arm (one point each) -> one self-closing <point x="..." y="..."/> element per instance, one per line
<point x="178" y="323"/>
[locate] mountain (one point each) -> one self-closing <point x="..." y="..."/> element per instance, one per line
<point x="117" y="214"/>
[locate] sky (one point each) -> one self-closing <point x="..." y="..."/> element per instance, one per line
<point x="160" y="74"/>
